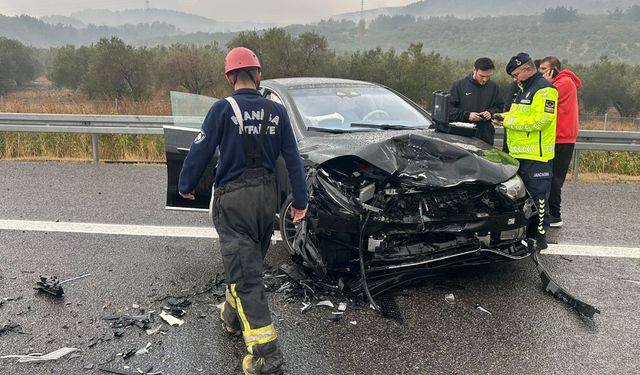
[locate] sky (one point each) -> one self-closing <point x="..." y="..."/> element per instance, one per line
<point x="278" y="11"/>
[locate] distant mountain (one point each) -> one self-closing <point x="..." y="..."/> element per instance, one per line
<point x="489" y="8"/>
<point x="63" y="20"/>
<point x="189" y="23"/>
<point x="34" y="32"/>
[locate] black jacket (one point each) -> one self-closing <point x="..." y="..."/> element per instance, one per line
<point x="468" y="96"/>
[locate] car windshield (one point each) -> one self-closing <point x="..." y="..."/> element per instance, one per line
<point x="340" y="107"/>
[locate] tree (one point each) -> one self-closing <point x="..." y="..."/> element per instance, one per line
<point x="118" y="70"/>
<point x="69" y="66"/>
<point x="195" y="69"/>
<point x="282" y="55"/>
<point x="608" y="84"/>
<point x="17" y="63"/>
<point x="559" y="14"/>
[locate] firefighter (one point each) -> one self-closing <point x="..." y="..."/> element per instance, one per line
<point x="530" y="125"/>
<point x="251" y="133"/>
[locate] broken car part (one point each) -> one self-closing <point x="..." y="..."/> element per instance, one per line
<point x="39" y="357"/>
<point x="552" y="287"/>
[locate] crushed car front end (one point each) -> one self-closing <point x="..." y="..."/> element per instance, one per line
<point x="411" y="222"/>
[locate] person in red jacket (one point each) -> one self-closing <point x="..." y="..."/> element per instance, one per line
<point x="567" y="83"/>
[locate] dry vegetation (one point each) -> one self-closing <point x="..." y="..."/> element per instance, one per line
<point x="42" y="98"/>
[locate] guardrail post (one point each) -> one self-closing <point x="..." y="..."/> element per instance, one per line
<point x="94" y="146"/>
<point x="576" y="164"/>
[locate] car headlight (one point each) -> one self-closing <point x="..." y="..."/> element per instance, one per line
<point x="514" y="188"/>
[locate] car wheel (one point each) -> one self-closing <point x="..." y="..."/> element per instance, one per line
<point x="287" y="228"/>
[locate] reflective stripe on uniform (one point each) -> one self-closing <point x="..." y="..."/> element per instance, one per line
<point x="259" y="336"/>
<point x="230" y="298"/>
<point x="240" y="309"/>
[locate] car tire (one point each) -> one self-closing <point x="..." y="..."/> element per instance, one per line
<point x="285" y="223"/>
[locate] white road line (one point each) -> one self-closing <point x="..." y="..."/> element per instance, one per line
<point x="208" y="232"/>
<point x="594" y="251"/>
<point x="117" y="229"/>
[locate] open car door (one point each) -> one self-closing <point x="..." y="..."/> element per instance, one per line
<point x="189" y="111"/>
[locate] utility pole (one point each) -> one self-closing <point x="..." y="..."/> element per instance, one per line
<point x="361" y="24"/>
<point x="147" y="12"/>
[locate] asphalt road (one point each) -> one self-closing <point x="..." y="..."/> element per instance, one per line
<point x="527" y="332"/>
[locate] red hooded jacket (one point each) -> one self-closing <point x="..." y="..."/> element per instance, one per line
<point x="567" y="84"/>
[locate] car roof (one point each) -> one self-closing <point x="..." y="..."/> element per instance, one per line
<point x="310" y="82"/>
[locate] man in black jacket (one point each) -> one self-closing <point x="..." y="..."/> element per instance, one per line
<point x="475" y="98"/>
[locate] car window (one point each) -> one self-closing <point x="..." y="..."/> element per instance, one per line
<point x="274" y="97"/>
<point x="339" y="107"/>
<point x="189" y="110"/>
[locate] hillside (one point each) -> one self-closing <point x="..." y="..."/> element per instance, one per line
<point x="189" y="23"/>
<point x="489" y="8"/>
<point x="37" y="33"/>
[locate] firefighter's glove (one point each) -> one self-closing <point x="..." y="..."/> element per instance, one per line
<point x="297" y="215"/>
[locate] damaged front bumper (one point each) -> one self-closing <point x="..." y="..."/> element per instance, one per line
<point x="405" y="232"/>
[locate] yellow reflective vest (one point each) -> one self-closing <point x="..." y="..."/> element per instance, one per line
<point x="531" y="121"/>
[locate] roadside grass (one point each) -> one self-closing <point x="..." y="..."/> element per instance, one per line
<point x="41" y="97"/>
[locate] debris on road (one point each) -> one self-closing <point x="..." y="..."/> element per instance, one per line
<point x="353" y="322"/>
<point x="325" y="303"/>
<point x="8" y="299"/>
<point x="552" y="287"/>
<point x="74" y="278"/>
<point x="153" y="331"/>
<point x="142" y="321"/>
<point x="389" y="307"/>
<point x="39" y="357"/>
<point x="10" y="327"/>
<point x="50" y="285"/>
<point x="450" y="298"/>
<point x="479" y="307"/>
<point x="342" y="306"/>
<point x="172" y="320"/>
<point x="144" y="350"/>
<point x="306" y="307"/>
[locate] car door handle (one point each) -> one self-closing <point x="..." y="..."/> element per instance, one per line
<point x="183" y="150"/>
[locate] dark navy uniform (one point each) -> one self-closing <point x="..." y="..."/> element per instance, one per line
<point x="250" y="139"/>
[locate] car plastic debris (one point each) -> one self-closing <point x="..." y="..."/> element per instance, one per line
<point x="325" y="303"/>
<point x="144" y="350"/>
<point x="153" y="331"/>
<point x="39" y="357"/>
<point x="353" y="322"/>
<point x="342" y="306"/>
<point x="306" y="307"/>
<point x="552" y="287"/>
<point x="172" y="320"/>
<point x="10" y="327"/>
<point x="483" y="309"/>
<point x="117" y="371"/>
<point x="50" y="285"/>
<point x="450" y="298"/>
<point x="389" y="307"/>
<point x="178" y="302"/>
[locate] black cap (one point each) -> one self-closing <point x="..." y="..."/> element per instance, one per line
<point x="516" y="61"/>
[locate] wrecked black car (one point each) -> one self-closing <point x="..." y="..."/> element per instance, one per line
<point x="391" y="199"/>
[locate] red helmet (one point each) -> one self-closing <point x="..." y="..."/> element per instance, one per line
<point x="239" y="58"/>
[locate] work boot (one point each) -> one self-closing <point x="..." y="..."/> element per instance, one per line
<point x="555" y="221"/>
<point x="227" y="328"/>
<point x="259" y="364"/>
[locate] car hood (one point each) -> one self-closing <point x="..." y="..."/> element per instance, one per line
<point x="426" y="158"/>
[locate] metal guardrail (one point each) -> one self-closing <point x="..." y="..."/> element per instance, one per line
<point x="84" y="124"/>
<point x="595" y="140"/>
<point x="103" y="124"/>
